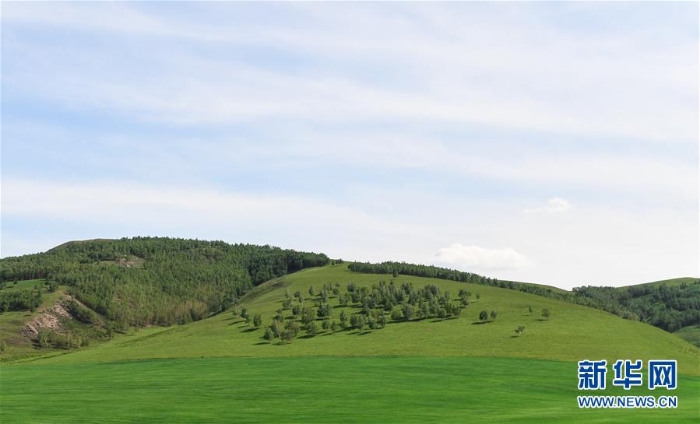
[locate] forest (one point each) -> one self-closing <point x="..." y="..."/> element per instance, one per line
<point x="152" y="281"/>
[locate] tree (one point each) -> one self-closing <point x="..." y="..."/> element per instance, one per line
<point x="257" y="320"/>
<point x="381" y="320"/>
<point x="276" y="327"/>
<point x="325" y="310"/>
<point x="545" y="313"/>
<point x="529" y="309"/>
<point x="484" y="315"/>
<point x="311" y="328"/>
<point x="344" y="319"/>
<point x="494" y="314"/>
<point x="311" y="291"/>
<point x="371" y="323"/>
<point x="407" y="311"/>
<point x="269" y="334"/>
<point x="357" y="321"/>
<point x="326" y="324"/>
<point x="308" y="315"/>
<point x="478" y="296"/>
<point x="292" y="327"/>
<point x="396" y="315"/>
<point x="395" y="274"/>
<point x="244" y="313"/>
<point x="519" y="330"/>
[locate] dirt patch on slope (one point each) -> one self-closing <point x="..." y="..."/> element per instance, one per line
<point x="49" y="319"/>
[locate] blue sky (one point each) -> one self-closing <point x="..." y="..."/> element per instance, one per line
<point x="548" y="142"/>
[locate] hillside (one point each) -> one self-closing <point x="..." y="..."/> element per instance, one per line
<point x="571" y="333"/>
<point x="120" y="286"/>
<point x="138" y="282"/>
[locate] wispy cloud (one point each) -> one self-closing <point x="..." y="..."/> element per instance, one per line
<point x="376" y="130"/>
<point x="480" y="75"/>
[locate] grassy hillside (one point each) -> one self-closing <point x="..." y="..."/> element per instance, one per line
<point x="571" y="333"/>
<point x="669" y="282"/>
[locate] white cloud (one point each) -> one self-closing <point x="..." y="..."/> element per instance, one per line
<point x="476" y="258"/>
<point x="555" y="204"/>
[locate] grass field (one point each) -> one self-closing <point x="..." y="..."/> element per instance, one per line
<point x="24" y="284"/>
<point x="322" y="389"/>
<point x="455" y="370"/>
<point x="691" y="334"/>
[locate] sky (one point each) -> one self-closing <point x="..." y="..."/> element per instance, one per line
<point x="555" y="143"/>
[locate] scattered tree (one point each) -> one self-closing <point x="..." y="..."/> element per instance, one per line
<point x="519" y="330"/>
<point x="545" y="313"/>
<point x="408" y="312"/>
<point x="311" y="328"/>
<point x="357" y="321"/>
<point x="307" y="315"/>
<point x="344" y="319"/>
<point x="494" y="314"/>
<point x="484" y="315"/>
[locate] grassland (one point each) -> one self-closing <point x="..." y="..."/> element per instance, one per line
<point x="453" y="370"/>
<point x="24" y="284"/>
<point x="571" y="334"/>
<point x="320" y="389"/>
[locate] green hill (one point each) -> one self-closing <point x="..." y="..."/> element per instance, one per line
<point x="220" y="369"/>
<point x="571" y="333"/>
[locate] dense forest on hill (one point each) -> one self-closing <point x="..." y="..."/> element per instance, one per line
<point x="143" y="281"/>
<point x="669" y="307"/>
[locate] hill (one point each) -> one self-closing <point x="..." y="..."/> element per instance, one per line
<point x="138" y="282"/>
<point x="451" y="369"/>
<point x="571" y="333"/>
<point x="119" y="285"/>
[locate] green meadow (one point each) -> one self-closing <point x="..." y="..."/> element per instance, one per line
<point x="220" y="369"/>
<point x="317" y="389"/>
